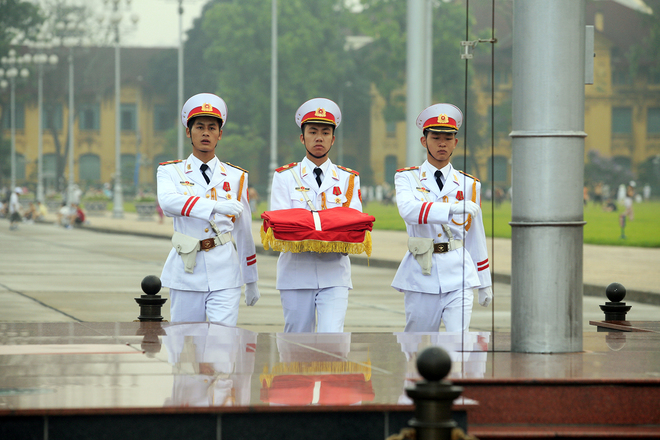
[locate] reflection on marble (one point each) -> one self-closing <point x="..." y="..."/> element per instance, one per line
<point x="211" y="364"/>
<point x="314" y="369"/>
<point x="166" y="366"/>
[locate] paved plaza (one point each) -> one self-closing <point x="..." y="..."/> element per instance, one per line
<point x="93" y="274"/>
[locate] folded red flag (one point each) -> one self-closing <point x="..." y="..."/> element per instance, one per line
<point x="345" y="230"/>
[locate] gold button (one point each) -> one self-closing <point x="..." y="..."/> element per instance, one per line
<point x="206" y="250"/>
<point x="301" y="200"/>
<point x="206" y="230"/>
<point x="185" y="194"/>
<point x="208" y="195"/>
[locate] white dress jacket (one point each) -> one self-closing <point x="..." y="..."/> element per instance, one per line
<point x="425" y="218"/>
<point x="190" y="202"/>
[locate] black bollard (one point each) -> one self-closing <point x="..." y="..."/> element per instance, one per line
<point x="615" y="309"/>
<point x="433" y="396"/>
<point x="150" y="303"/>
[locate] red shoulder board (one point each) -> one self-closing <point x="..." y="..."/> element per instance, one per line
<point x="407" y="169"/>
<point x="286" y="167"/>
<point x="471" y="177"/>
<point x="232" y="165"/>
<point x="170" y="161"/>
<point x="348" y="170"/>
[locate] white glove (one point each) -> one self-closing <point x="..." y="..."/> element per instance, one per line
<point x="468" y="206"/>
<point x="251" y="294"/>
<point x="485" y="296"/>
<point x="228" y="207"/>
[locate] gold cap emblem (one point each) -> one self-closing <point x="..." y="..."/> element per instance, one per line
<point x="206" y="107"/>
<point x="320" y="112"/>
<point x="443" y="119"/>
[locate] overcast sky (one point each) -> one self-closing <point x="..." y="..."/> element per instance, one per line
<point x="158" y="24"/>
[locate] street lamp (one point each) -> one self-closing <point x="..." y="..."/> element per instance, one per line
<point x="12" y="67"/>
<point x="115" y="19"/>
<point x="40" y="59"/>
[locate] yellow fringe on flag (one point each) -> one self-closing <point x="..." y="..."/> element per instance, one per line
<point x="270" y="242"/>
<point x="314" y="368"/>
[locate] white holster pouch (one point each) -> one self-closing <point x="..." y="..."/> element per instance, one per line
<point x="422" y="250"/>
<point x="187" y="248"/>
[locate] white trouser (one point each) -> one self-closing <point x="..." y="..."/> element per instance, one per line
<point x="219" y="306"/>
<point x="301" y="307"/>
<point x="424" y="311"/>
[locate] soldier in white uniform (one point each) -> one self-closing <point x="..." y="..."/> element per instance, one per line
<point x="213" y="252"/>
<point x="447" y="255"/>
<point x="315" y="284"/>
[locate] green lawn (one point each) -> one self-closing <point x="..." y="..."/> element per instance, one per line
<point x="601" y="228"/>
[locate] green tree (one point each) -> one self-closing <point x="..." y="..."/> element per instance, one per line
<point x="19" y="20"/>
<point x="236" y="42"/>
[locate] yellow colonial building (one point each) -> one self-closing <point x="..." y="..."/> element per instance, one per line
<point x="145" y="118"/>
<point x="622" y="113"/>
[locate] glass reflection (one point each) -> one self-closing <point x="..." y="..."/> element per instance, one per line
<point x="314" y="369"/>
<point x="212" y="364"/>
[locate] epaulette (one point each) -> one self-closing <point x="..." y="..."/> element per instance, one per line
<point x="407" y="169"/>
<point x="348" y="170"/>
<point x="286" y="167"/>
<point x="232" y="165"/>
<point x="471" y="177"/>
<point x="170" y="161"/>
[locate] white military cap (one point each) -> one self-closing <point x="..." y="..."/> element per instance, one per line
<point x="204" y="104"/>
<point x="444" y="118"/>
<point x="320" y="111"/>
<point x="18" y="190"/>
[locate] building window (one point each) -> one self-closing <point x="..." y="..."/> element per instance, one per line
<point x="163" y="119"/>
<point x="90" y="168"/>
<point x="20" y="166"/>
<point x="390" y="128"/>
<point x="128" y="169"/>
<point x="50" y="169"/>
<point x="621" y="120"/>
<point x="390" y="168"/>
<point x="653" y="121"/>
<point x="89" y="117"/>
<point x="20" y="117"/>
<point x="128" y="117"/>
<point x="53" y="117"/>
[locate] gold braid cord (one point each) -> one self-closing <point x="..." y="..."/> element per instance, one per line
<point x="238" y="197"/>
<point x="324" y="205"/>
<point x="270" y="242"/>
<point x="240" y="187"/>
<point x="474" y="199"/>
<point x="349" y="191"/>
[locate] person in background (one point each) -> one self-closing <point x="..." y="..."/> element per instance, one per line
<point x="14" y="209"/>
